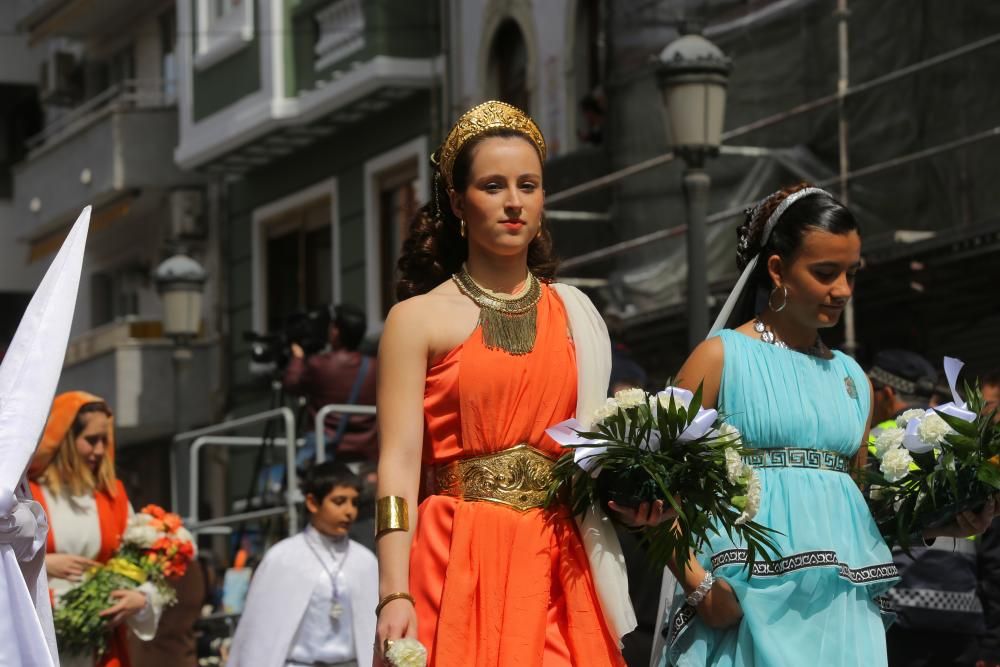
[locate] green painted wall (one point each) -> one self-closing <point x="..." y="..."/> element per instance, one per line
<point x="399" y="28"/>
<point x="341" y="155"/>
<point x="229" y="80"/>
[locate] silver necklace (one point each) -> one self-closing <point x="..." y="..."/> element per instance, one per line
<point x="766" y="333"/>
<point x="336" y="609"/>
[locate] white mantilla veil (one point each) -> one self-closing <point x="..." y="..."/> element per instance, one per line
<point x="28" y="379"/>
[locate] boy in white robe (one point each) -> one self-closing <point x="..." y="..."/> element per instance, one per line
<point x="312" y="599"/>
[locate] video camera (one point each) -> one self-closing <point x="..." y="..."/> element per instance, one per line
<point x="271" y="351"/>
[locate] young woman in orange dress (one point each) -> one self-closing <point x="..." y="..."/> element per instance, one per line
<point x="481" y="355"/>
<point x="73" y="477"/>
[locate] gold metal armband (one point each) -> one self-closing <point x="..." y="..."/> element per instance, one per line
<point x="391" y="513"/>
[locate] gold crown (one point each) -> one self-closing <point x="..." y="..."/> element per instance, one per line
<point x="477" y="120"/>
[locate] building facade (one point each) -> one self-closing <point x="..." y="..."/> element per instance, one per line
<point x="106" y="86"/>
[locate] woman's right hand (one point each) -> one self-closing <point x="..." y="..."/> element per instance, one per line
<point x="67" y="566"/>
<point x="398" y="619"/>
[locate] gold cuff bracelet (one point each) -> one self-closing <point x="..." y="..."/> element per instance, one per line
<point x="391" y="513"/>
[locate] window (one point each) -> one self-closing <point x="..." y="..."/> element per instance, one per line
<point x="168" y="54"/>
<point x="588" y="59"/>
<point x="114" y="294"/>
<point x="298" y="262"/>
<point x="224" y="27"/>
<point x="397" y="204"/>
<point x="508" y="66"/>
<point x="396" y="186"/>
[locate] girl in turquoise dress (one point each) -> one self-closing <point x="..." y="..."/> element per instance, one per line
<point x="807" y="410"/>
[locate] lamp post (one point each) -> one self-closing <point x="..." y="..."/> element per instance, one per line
<point x="180" y="280"/>
<point x="692" y="74"/>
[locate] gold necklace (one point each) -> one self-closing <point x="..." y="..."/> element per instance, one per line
<point x="508" y="321"/>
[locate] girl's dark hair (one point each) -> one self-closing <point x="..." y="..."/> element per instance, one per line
<point x="818" y="211"/>
<point x="434" y="248"/>
<point x="324" y="477"/>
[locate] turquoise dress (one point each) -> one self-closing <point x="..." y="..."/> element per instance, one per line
<point x="820" y="603"/>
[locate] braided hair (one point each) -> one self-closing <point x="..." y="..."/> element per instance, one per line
<point x="818" y="211"/>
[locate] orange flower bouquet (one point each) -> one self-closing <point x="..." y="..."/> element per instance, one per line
<point x="155" y="548"/>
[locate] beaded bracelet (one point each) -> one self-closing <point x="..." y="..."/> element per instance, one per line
<point x="698" y="594"/>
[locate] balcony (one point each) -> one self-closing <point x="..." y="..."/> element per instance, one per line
<point x="108" y="149"/>
<point x="130" y="364"/>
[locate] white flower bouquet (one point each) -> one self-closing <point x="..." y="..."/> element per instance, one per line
<point x="644" y="447"/>
<point x="934" y="464"/>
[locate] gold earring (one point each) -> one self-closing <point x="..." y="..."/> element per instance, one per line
<point x="461" y="228"/>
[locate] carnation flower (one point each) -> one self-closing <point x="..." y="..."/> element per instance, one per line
<point x="904" y="419"/>
<point x="141" y="535"/>
<point x="630" y="398"/>
<point x="751" y="503"/>
<point x="737" y="471"/>
<point x="933" y="429"/>
<point x="896" y="464"/>
<point x="406" y="653"/>
<point x="609" y="409"/>
<point x="729" y="433"/>
<point x="888" y="439"/>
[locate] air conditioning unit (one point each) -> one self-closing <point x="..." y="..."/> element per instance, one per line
<point x="58" y="83"/>
<point x="187" y="214"/>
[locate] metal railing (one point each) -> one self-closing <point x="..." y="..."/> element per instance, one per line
<point x="213" y="436"/>
<point x="128" y="94"/>
<point x="338" y="408"/>
<point x="210" y="435"/>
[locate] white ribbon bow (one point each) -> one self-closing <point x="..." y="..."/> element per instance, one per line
<point x="955" y="408"/>
<point x="586" y="450"/>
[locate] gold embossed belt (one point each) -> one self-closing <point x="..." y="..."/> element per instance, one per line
<point x="518" y="477"/>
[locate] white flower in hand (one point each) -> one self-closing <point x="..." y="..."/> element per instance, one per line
<point x="406" y="653"/>
<point x="896" y="464"/>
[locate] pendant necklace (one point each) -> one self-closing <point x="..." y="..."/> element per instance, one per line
<point x="336" y="609"/>
<point x="508" y="321"/>
<point x="766" y="333"/>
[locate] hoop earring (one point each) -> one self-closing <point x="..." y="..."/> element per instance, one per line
<point x="461" y="228"/>
<point x="784" y="299"/>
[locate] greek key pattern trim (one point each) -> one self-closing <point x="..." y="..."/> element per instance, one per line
<point x="865" y="575"/>
<point x="798" y="457"/>
<point x="807" y="559"/>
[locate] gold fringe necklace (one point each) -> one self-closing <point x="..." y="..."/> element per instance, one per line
<point x="508" y="321"/>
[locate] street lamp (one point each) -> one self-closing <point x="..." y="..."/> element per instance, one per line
<point x="692" y="74"/>
<point x="180" y="281"/>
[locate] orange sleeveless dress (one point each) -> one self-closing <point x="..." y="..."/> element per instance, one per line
<point x="496" y="587"/>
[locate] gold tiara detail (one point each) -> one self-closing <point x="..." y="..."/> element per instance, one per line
<point x="481" y="118"/>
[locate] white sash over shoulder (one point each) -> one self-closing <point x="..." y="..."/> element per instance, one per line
<point x="593" y="363"/>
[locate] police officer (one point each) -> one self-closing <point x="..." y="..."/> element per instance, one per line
<point x="940" y="615"/>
